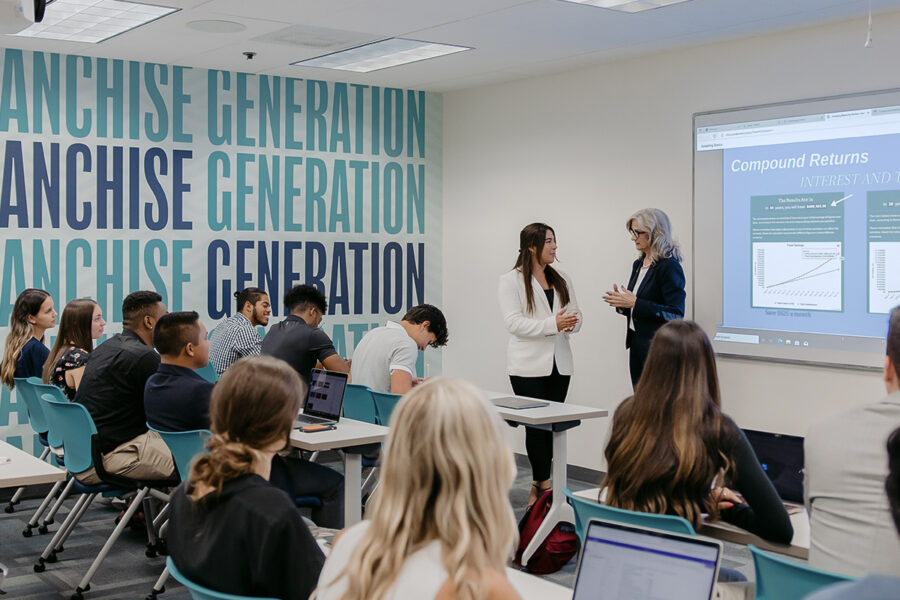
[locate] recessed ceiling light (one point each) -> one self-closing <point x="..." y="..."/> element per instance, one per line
<point x="629" y="6"/>
<point x="380" y="55"/>
<point x="93" y="21"/>
<point x="216" y="26"/>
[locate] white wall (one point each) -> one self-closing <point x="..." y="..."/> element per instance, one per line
<point x="582" y="150"/>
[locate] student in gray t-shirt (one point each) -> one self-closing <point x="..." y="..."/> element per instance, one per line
<point x="385" y="359"/>
<point x="298" y="340"/>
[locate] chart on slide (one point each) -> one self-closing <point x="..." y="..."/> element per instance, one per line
<point x="884" y="276"/>
<point x="798" y="275"/>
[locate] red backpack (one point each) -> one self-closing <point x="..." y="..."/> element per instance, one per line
<point x="559" y="547"/>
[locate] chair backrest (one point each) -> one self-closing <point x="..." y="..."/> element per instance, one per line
<point x="198" y="592"/>
<point x="359" y="404"/>
<point x="73" y="424"/>
<point x="25" y="392"/>
<point x="185" y="446"/>
<point x="585" y="510"/>
<point x="57" y="394"/>
<point x="782" y="579"/>
<point x="208" y="373"/>
<point x="384" y="406"/>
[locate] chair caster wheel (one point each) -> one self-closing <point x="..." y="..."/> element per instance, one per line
<point x="52" y="558"/>
<point x="9" y="508"/>
<point x="60" y="549"/>
<point x="40" y="566"/>
<point x="27" y="532"/>
<point x="42" y="529"/>
<point x="150" y="553"/>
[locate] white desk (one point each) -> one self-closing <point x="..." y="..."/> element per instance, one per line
<point x="798" y="548"/>
<point x="564" y="416"/>
<point x="24" y="469"/>
<point x="347" y="434"/>
<point x="532" y="587"/>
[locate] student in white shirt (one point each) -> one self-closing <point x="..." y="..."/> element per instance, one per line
<point x="540" y="311"/>
<point x="440" y="525"/>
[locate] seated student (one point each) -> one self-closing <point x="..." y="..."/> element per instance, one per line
<point x="875" y="587"/>
<point x="81" y="323"/>
<point x="176" y="398"/>
<point x="850" y="522"/>
<point x="25" y="352"/>
<point x="230" y="530"/>
<point x="439" y="525"/>
<point x="236" y="336"/>
<point x="112" y="389"/>
<point x="670" y="442"/>
<point x="385" y="359"/>
<point x="297" y="340"/>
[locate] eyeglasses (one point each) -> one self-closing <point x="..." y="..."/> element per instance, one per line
<point x="635" y="233"/>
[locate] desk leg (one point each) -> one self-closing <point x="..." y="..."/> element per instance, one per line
<point x="560" y="511"/>
<point x="352" y="488"/>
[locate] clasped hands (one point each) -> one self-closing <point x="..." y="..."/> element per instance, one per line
<point x="566" y="322"/>
<point x="620" y="297"/>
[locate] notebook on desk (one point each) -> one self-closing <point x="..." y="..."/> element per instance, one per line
<point x="518" y="403"/>
<point x="624" y="562"/>
<point x="781" y="457"/>
<point x="324" y="398"/>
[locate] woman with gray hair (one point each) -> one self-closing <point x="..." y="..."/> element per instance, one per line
<point x="655" y="291"/>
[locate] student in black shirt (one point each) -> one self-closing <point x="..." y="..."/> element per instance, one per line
<point x="298" y="340"/>
<point x="671" y="442"/>
<point x="112" y="389"/>
<point x="176" y="398"/>
<point x="230" y="530"/>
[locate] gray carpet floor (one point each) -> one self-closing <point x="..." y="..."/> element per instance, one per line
<point x="128" y="573"/>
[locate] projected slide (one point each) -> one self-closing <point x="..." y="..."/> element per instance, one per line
<point x="796" y="250"/>
<point x="884" y="250"/>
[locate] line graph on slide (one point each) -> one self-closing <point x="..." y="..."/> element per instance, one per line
<point x="884" y="276"/>
<point x="798" y="275"/>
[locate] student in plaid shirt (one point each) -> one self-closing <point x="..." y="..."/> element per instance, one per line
<point x="236" y="336"/>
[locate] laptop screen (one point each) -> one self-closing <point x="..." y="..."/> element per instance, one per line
<point x="623" y="562"/>
<point x="326" y="394"/>
<point x="781" y="457"/>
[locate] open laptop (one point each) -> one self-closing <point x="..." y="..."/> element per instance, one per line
<point x="324" y="398"/>
<point x="518" y="403"/>
<point x="625" y="562"/>
<point x="781" y="457"/>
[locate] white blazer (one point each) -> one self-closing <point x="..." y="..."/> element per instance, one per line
<point x="534" y="340"/>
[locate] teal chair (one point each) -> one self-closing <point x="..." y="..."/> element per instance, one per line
<point x="780" y="579"/>
<point x="586" y="510"/>
<point x="185" y="446"/>
<point x="384" y="406"/>
<point x="198" y="592"/>
<point x="359" y="403"/>
<point x="208" y="373"/>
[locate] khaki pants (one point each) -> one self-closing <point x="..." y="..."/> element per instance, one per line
<point x="145" y="457"/>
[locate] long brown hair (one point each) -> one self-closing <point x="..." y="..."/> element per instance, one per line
<point x="20" y="331"/>
<point x="670" y="440"/>
<point x="74" y="330"/>
<point x="253" y="405"/>
<point x="534" y="236"/>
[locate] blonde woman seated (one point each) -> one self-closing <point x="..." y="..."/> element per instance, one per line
<point x="671" y="442"/>
<point x="440" y="525"/>
<point x="230" y="530"/>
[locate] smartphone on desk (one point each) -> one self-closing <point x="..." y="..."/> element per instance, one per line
<point x="317" y="428"/>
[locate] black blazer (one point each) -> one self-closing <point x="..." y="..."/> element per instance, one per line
<point x="659" y="299"/>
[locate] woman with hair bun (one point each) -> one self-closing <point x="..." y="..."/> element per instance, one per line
<point x="81" y="323"/>
<point x="232" y="531"/>
<point x="655" y="292"/>
<point x="25" y="353"/>
<point x="440" y="525"/>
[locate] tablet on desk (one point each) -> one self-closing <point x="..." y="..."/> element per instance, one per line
<point x="518" y="403"/>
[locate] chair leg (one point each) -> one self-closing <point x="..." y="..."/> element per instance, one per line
<point x="32" y="523"/>
<point x="152" y="550"/>
<point x="59" y="536"/>
<point x="85" y="584"/>
<point x="48" y="520"/>
<point x="160" y="586"/>
<point x="72" y="524"/>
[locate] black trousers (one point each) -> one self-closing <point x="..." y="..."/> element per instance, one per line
<point x="539" y="442"/>
<point x="298" y="477"/>
<point x="637" y="356"/>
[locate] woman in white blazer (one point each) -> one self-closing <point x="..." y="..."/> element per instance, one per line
<point x="540" y="311"/>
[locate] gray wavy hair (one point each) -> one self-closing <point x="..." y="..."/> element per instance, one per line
<point x="656" y="223"/>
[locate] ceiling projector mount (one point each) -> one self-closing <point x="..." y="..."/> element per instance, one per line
<point x="16" y="15"/>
